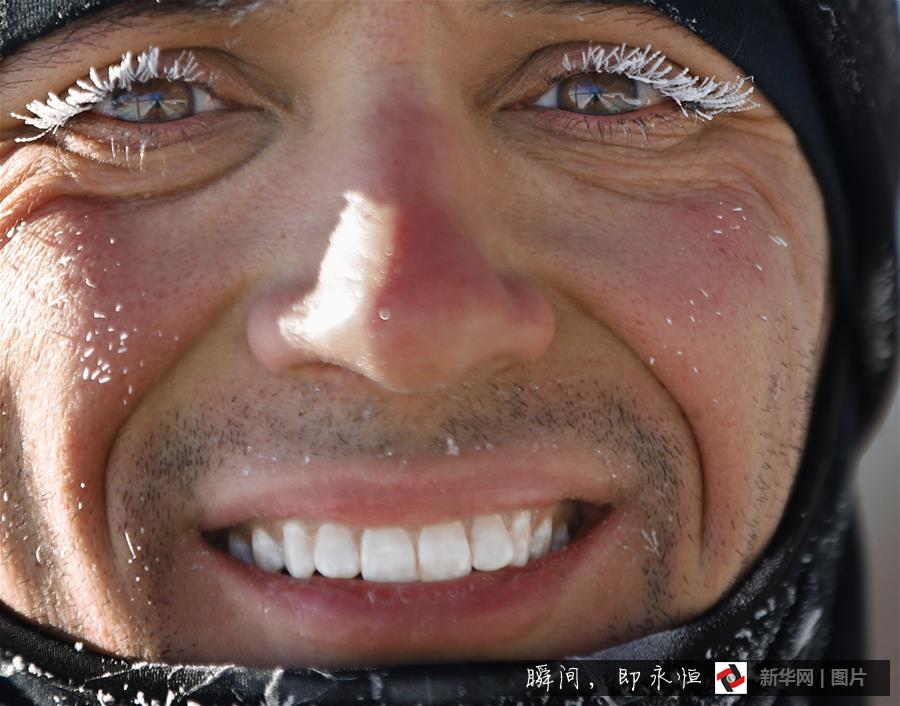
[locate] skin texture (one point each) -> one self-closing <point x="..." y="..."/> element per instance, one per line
<point x="650" y="311"/>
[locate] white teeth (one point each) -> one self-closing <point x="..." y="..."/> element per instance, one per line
<point x="298" y="555"/>
<point x="520" y="533"/>
<point x="439" y="552"/>
<point x="540" y="540"/>
<point x="239" y="547"/>
<point x="336" y="554"/>
<point x="266" y="551"/>
<point x="444" y="552"/>
<point x="387" y="555"/>
<point x="492" y="547"/>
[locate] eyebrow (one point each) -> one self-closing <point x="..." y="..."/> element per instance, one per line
<point x="51" y="43"/>
<point x="115" y="14"/>
<point x="557" y="6"/>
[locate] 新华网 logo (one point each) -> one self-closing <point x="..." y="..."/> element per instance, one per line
<point x="731" y="677"/>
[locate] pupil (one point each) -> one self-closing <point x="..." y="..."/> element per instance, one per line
<point x="599" y="94"/>
<point x="156" y="101"/>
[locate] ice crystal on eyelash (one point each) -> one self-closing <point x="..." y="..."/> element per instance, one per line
<point x="48" y="116"/>
<point x="702" y="97"/>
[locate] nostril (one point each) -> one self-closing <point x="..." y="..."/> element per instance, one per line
<point x="263" y="328"/>
<point x="422" y="341"/>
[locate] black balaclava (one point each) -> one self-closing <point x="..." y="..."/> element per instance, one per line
<point x="832" y="69"/>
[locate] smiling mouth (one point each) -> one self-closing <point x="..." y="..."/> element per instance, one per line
<point x="355" y="562"/>
<point x="396" y="554"/>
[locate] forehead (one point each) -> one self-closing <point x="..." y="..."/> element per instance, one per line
<point x="40" y="34"/>
<point x="25" y="22"/>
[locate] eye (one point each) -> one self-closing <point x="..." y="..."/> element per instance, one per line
<point x="158" y="101"/>
<point x="600" y="94"/>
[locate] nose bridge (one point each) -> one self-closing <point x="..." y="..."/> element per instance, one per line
<point x="412" y="214"/>
<point x="410" y="141"/>
<point x="430" y="231"/>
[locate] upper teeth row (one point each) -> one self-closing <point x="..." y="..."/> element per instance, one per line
<point x="433" y="553"/>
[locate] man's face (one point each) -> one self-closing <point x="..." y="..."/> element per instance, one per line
<point x="375" y="278"/>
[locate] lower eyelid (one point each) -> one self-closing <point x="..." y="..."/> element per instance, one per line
<point x="97" y="136"/>
<point x="121" y="170"/>
<point x="661" y="120"/>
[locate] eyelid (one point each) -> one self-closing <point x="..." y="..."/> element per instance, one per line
<point x="211" y="69"/>
<point x="698" y="95"/>
<point x="91" y="90"/>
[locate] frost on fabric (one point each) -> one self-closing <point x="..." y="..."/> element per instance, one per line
<point x="702" y="97"/>
<point x="49" y="115"/>
<point x="783" y="612"/>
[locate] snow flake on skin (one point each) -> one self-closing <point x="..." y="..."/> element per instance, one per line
<point x="652" y="542"/>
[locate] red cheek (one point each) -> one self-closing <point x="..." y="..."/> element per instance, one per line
<point x="694" y="287"/>
<point x="135" y="296"/>
<point x="702" y="270"/>
<point x="707" y="297"/>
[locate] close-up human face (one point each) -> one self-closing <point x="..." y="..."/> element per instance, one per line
<point x="496" y="331"/>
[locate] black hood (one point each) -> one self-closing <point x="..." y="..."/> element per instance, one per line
<point x="832" y="69"/>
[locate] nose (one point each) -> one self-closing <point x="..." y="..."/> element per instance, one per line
<point x="404" y="294"/>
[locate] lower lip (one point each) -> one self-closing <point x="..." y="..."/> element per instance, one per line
<point x="347" y="619"/>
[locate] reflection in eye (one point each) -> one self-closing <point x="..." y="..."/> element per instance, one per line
<point x="600" y="94"/>
<point x="156" y="101"/>
<point x="117" y="82"/>
<point x="611" y="80"/>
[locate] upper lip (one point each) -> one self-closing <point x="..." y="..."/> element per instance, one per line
<point x="423" y="490"/>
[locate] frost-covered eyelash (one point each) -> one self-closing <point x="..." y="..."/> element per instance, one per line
<point x="701" y="97"/>
<point x="50" y="115"/>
